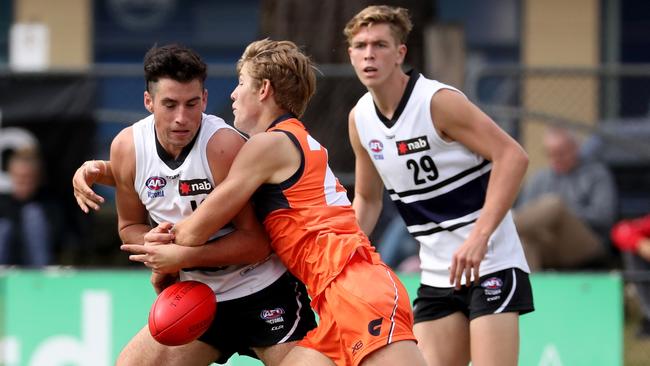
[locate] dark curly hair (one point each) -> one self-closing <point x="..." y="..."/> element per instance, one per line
<point x="173" y="61"/>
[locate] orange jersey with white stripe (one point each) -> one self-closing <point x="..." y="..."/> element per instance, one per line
<point x="309" y="218"/>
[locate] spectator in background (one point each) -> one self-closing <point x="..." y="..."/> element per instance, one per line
<point x="632" y="237"/>
<point x="566" y="210"/>
<point x="26" y="236"/>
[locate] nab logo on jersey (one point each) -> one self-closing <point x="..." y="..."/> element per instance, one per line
<point x="412" y="145"/>
<point x="193" y="187"/>
<point x="155" y="185"/>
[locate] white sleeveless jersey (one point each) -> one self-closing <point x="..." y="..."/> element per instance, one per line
<point x="171" y="193"/>
<point x="438" y="187"/>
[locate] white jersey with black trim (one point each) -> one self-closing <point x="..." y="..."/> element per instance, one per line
<point x="439" y="187"/>
<point x="171" y="190"/>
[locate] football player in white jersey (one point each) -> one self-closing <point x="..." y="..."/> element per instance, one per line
<point x="163" y="166"/>
<point x="453" y="175"/>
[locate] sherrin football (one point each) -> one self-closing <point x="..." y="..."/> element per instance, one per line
<point x="182" y="312"/>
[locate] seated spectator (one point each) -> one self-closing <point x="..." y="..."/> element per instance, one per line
<point x="565" y="211"/>
<point x="632" y="237"/>
<point x="25" y="230"/>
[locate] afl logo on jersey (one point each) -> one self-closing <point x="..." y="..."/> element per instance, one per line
<point x="376" y="147"/>
<point x="156" y="183"/>
<point x="155" y="186"/>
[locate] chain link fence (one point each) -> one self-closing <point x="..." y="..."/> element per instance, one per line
<point x="602" y="101"/>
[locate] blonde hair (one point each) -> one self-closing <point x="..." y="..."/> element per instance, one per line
<point x="290" y="72"/>
<point x="397" y="18"/>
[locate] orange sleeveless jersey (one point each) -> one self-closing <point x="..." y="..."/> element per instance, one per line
<point x="310" y="221"/>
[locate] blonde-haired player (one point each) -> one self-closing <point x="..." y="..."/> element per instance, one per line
<point x="365" y="315"/>
<point x="453" y="174"/>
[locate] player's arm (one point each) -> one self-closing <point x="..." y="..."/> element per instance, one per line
<point x="131" y="213"/>
<point x="89" y="173"/>
<point x="368" y="186"/>
<point x="460" y="120"/>
<point x="253" y="166"/>
<point x="456" y="118"/>
<point x="247" y="244"/>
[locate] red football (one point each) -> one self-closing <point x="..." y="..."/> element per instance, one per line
<point x="182" y="312"/>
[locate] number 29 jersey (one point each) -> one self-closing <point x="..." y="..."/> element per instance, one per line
<point x="439" y="187"/>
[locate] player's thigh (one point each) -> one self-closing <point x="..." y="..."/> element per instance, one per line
<point x="398" y="353"/>
<point x="303" y="356"/>
<point x="444" y="341"/>
<point x="273" y="355"/>
<point x="143" y="350"/>
<point x="495" y="339"/>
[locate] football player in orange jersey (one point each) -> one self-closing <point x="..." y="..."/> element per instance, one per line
<point x="364" y="310"/>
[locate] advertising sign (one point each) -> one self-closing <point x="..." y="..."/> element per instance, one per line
<point x="84" y="318"/>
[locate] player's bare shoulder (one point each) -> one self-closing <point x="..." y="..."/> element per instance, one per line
<point x="123" y="154"/>
<point x="221" y="149"/>
<point x="451" y="112"/>
<point x="447" y="102"/>
<point x="351" y="116"/>
<point x="226" y="140"/>
<point x="272" y="144"/>
<point x="123" y="141"/>
<point x="273" y="155"/>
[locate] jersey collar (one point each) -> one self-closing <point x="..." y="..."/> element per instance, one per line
<point x="283" y="117"/>
<point x="413" y="77"/>
<point x="167" y="158"/>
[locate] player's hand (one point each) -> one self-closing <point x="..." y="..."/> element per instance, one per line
<point x="85" y="176"/>
<point x="161" y="234"/>
<point x="161" y="281"/>
<point x="466" y="261"/>
<point x="166" y="258"/>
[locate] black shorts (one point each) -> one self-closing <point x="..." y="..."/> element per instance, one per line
<point x="504" y="291"/>
<point x="277" y="314"/>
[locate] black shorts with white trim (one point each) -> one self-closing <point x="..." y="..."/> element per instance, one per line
<point x="278" y="314"/>
<point x="508" y="290"/>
